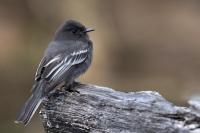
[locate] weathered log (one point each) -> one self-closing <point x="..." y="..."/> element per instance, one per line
<point x="103" y="110"/>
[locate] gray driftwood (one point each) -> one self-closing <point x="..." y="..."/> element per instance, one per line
<point x="103" y="110"/>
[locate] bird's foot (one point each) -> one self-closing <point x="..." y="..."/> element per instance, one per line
<point x="72" y="87"/>
<point x="72" y="90"/>
<point x="57" y="93"/>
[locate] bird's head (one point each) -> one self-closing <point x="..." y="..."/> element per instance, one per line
<point x="71" y="30"/>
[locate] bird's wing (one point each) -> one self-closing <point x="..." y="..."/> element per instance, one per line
<point x="55" y="67"/>
<point x="68" y="61"/>
<point x="40" y="69"/>
<point x="43" y="64"/>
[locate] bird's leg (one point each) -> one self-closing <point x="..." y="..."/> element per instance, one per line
<point x="72" y="86"/>
<point x="76" y="84"/>
<point x="55" y="93"/>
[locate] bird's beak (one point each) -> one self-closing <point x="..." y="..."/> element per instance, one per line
<point x="88" y="30"/>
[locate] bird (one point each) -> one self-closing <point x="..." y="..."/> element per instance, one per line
<point x="67" y="56"/>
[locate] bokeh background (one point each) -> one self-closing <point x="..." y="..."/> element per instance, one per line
<point x="138" y="45"/>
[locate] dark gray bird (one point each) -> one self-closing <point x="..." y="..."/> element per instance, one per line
<point x="68" y="56"/>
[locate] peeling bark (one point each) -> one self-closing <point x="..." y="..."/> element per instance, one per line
<point x="103" y="110"/>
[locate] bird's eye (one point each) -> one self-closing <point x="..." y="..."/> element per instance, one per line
<point x="73" y="31"/>
<point x="70" y="29"/>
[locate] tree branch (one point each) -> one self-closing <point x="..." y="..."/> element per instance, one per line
<point x="103" y="110"/>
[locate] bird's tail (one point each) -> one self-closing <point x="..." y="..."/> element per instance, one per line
<point x="32" y="104"/>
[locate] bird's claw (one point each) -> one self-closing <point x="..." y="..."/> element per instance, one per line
<point x="72" y="87"/>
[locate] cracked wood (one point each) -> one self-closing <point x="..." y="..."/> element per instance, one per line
<point x="103" y="110"/>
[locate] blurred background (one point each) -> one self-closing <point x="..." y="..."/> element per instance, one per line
<point x="138" y="45"/>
